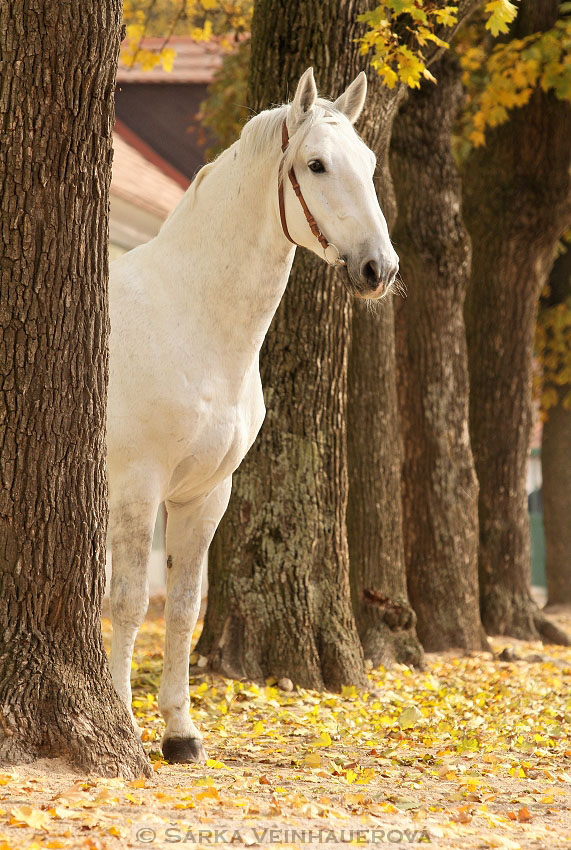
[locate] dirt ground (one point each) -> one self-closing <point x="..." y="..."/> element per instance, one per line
<point x="473" y="752"/>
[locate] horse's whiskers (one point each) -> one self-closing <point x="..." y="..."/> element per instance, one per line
<point x="373" y="305"/>
<point x="398" y="285"/>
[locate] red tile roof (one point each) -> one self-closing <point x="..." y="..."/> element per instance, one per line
<point x="134" y="141"/>
<point x="195" y="62"/>
<point x="142" y="182"/>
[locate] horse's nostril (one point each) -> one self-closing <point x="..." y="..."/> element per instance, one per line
<point x="370" y="271"/>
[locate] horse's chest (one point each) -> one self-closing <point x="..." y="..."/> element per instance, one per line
<point x="214" y="448"/>
<point x="226" y="440"/>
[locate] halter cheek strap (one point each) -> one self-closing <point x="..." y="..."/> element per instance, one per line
<point x="330" y="251"/>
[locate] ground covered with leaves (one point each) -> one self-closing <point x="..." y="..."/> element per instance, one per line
<point x="473" y="752"/>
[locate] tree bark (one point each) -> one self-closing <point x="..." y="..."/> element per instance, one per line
<point x="556" y="462"/>
<point x="556" y="472"/>
<point x="279" y="599"/>
<point x="440" y="490"/>
<point x="384" y="616"/>
<point x="383" y="613"/>
<point x="56" y="695"/>
<point x="516" y="204"/>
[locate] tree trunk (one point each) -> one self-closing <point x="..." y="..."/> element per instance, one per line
<point x="556" y="471"/>
<point x="516" y="204"/>
<point x="374" y="514"/>
<point x="384" y="617"/>
<point x="440" y="491"/>
<point x="556" y="460"/>
<point x="279" y="600"/>
<point x="56" y="695"/>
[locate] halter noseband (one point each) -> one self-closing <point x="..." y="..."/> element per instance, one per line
<point x="330" y="251"/>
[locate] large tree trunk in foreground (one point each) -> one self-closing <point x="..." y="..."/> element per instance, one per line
<point x="279" y="601"/>
<point x="384" y="617"/>
<point x="556" y="456"/>
<point x="440" y="491"/>
<point x="516" y="204"/>
<point x="56" y="695"/>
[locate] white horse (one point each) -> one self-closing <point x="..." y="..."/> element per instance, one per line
<point x="189" y="312"/>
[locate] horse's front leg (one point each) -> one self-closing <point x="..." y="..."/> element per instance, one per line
<point x="190" y="529"/>
<point x="131" y="521"/>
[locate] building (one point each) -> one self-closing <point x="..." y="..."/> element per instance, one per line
<point x="158" y="142"/>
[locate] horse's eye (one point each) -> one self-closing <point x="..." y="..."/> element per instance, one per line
<point x="316" y="165"/>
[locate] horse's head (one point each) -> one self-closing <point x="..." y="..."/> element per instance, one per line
<point x="334" y="169"/>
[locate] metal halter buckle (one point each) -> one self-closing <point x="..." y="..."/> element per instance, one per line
<point x="333" y="259"/>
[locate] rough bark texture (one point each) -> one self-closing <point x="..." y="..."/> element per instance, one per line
<point x="516" y="204"/>
<point x="56" y="113"/>
<point x="440" y="491"/>
<point x="556" y="470"/>
<point x="556" y="463"/>
<point x="374" y="513"/>
<point x="385" y="619"/>
<point x="279" y="600"/>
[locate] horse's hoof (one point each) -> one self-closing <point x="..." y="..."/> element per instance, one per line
<point x="183" y="750"/>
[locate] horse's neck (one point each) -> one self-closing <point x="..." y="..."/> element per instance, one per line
<point x="231" y="260"/>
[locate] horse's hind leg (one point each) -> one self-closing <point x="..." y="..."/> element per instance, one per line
<point x="131" y="520"/>
<point x="190" y="528"/>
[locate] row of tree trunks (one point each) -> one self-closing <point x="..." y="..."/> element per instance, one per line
<point x="516" y="205"/>
<point x="440" y="490"/>
<point x="309" y="575"/>
<point x="56" y="118"/>
<point x="279" y="564"/>
<point x="385" y="618"/>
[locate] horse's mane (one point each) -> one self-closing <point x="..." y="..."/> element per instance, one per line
<point x="262" y="135"/>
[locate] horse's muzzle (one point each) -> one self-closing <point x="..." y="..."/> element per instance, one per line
<point x="376" y="276"/>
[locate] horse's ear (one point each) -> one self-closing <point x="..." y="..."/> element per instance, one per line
<point x="352" y="100"/>
<point x="304" y="98"/>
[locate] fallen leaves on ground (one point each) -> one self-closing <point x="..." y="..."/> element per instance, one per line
<point x="473" y="752"/>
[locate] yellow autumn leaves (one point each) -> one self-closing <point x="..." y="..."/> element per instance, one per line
<point x="495" y="82"/>
<point x="397" y="30"/>
<point x="474" y="750"/>
<point x="200" y="19"/>
<point x="507" y="77"/>
<point x="501" y="13"/>
<point x="36" y="818"/>
<point x="396" y="36"/>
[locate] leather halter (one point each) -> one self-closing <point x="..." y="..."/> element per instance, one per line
<point x="325" y="244"/>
